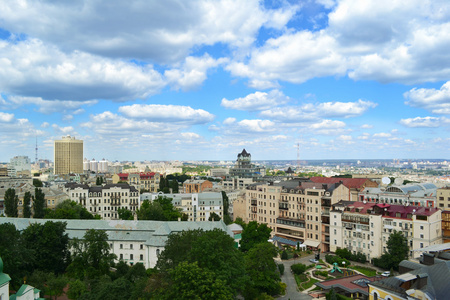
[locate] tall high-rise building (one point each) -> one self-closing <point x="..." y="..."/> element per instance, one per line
<point x="68" y="156"/>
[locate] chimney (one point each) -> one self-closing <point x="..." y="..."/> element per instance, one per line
<point x="421" y="280"/>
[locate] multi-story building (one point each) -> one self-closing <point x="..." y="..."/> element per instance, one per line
<point x="355" y="185"/>
<point x="365" y="226"/>
<point x="197" y="206"/>
<point x="132" y="241"/>
<point x="297" y="210"/>
<point x="104" y="200"/>
<point x="68" y="156"/>
<point x="196" y="186"/>
<point x="243" y="173"/>
<point x="410" y="194"/>
<point x="443" y="198"/>
<point x="19" y="166"/>
<point x="446" y="226"/>
<point x="148" y="181"/>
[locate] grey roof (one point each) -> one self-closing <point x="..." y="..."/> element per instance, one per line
<point x="437" y="287"/>
<point x="434" y="248"/>
<point x="151" y="233"/>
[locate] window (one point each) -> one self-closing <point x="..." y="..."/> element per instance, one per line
<point x="121" y="256"/>
<point x="421" y="227"/>
<point x="335" y="231"/>
<point x="421" y="236"/>
<point x="421" y="245"/>
<point x="131" y="246"/>
<point x="131" y="256"/>
<point x="157" y="252"/>
<point x="121" y="246"/>
<point x="141" y="257"/>
<point x="335" y="242"/>
<point x="142" y="246"/>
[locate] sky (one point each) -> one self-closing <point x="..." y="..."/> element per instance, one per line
<point x="201" y="80"/>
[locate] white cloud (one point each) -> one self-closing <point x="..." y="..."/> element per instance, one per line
<point x="64" y="130"/>
<point x="256" y="125"/>
<point x="45" y="125"/>
<point x="6" y="117"/>
<point x="366" y="126"/>
<point x="382" y="135"/>
<point x="192" y="73"/>
<point x="436" y="101"/>
<point x="424" y="122"/>
<point x="256" y="101"/>
<point x="33" y="70"/>
<point x="229" y="121"/>
<point x="308" y="112"/>
<point x="167" y="113"/>
<point x="161" y="31"/>
<point x="47" y="106"/>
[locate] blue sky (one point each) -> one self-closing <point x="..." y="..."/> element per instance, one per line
<point x="200" y="80"/>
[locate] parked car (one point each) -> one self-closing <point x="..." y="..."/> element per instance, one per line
<point x="314" y="261"/>
<point x="386" y="274"/>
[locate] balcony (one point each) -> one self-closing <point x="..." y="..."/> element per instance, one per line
<point x="115" y="202"/>
<point x="298" y="234"/>
<point x="291" y="222"/>
<point x="254" y="210"/>
<point x="254" y="202"/>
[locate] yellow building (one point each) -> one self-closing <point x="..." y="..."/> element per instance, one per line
<point x="68" y="156"/>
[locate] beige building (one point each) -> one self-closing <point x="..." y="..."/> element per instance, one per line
<point x="366" y="227"/>
<point x="443" y="198"/>
<point x="148" y="181"/>
<point x="295" y="210"/>
<point x="68" y="156"/>
<point x="196" y="186"/>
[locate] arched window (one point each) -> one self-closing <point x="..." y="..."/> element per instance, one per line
<point x="157" y="252"/>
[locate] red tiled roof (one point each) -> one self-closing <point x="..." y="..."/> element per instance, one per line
<point x="351" y="183"/>
<point x="347" y="283"/>
<point x="392" y="210"/>
<point x="123" y="176"/>
<point x="147" y="175"/>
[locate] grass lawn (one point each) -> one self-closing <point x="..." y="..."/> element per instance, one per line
<point x="308" y="284"/>
<point x="365" y="270"/>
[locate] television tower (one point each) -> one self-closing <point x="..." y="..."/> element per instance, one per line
<point x="36" y="158"/>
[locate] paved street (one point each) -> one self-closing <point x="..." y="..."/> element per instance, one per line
<point x="292" y="292"/>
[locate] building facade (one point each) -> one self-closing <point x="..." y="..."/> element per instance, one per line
<point x="197" y="206"/>
<point x="443" y="198"/>
<point x="19" y="166"/>
<point x="132" y="241"/>
<point x="196" y="186"/>
<point x="104" y="200"/>
<point x="68" y="156"/>
<point x="148" y="181"/>
<point x="366" y="227"/>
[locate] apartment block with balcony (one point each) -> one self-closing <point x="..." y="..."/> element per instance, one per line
<point x="366" y="227"/>
<point x="297" y="210"/>
<point x="105" y="200"/>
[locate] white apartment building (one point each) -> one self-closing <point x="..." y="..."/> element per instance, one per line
<point x="365" y="227"/>
<point x="104" y="200"/>
<point x="198" y="207"/>
<point x="19" y="166"/>
<point x="132" y="241"/>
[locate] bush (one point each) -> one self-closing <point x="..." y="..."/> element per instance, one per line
<point x="281" y="268"/>
<point x="322" y="273"/>
<point x="332" y="259"/>
<point x="344" y="253"/>
<point x="298" y="269"/>
<point x="284" y="255"/>
<point x="295" y="255"/>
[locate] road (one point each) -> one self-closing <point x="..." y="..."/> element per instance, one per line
<point x="292" y="292"/>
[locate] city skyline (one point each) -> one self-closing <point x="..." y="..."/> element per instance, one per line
<point x="201" y="80"/>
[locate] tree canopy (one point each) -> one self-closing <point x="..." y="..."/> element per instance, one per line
<point x="160" y="209"/>
<point x="69" y="209"/>
<point x="397" y="250"/>
<point x="11" y="203"/>
<point x="39" y="204"/>
<point x="253" y="234"/>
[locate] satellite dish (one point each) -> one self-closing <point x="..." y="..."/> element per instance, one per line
<point x="398" y="181"/>
<point x="385" y="180"/>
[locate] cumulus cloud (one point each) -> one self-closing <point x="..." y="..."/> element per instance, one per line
<point x="256" y="101"/>
<point x="159" y="31"/>
<point x="424" y="122"/>
<point x="310" y="112"/>
<point x="6" y="117"/>
<point x="436" y="101"/>
<point x="366" y="126"/>
<point x="47" y="106"/>
<point x="167" y="113"/>
<point x="193" y="72"/>
<point x="31" y="69"/>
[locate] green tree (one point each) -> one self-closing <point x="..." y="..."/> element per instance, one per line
<point x="160" y="209"/>
<point x="398" y="249"/>
<point x="189" y="281"/>
<point x="49" y="246"/>
<point x="39" y="204"/>
<point x="13" y="253"/>
<point x="91" y="255"/>
<point x="253" y="234"/>
<point x="26" y="205"/>
<point x="69" y="209"/>
<point x="76" y="289"/>
<point x="56" y="285"/>
<point x="98" y="181"/>
<point x="226" y="206"/>
<point x="11" y="203"/>
<point x="212" y="250"/>
<point x="262" y="269"/>
<point x="214" y="217"/>
<point x="37" y="183"/>
<point x="125" y="214"/>
<point x="174" y="185"/>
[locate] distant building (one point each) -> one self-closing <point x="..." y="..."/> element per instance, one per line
<point x="244" y="167"/>
<point x="68" y="156"/>
<point x="218" y="172"/>
<point x="443" y="198"/>
<point x="410" y="194"/>
<point x="196" y="186"/>
<point x="19" y="166"/>
<point x="197" y="206"/>
<point x="355" y="185"/>
<point x="104" y="200"/>
<point x="148" y="181"/>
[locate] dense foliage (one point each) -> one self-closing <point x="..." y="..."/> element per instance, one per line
<point x="69" y="210"/>
<point x="11" y="202"/>
<point x="160" y="209"/>
<point x="347" y="254"/>
<point x="253" y="234"/>
<point x="397" y="250"/>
